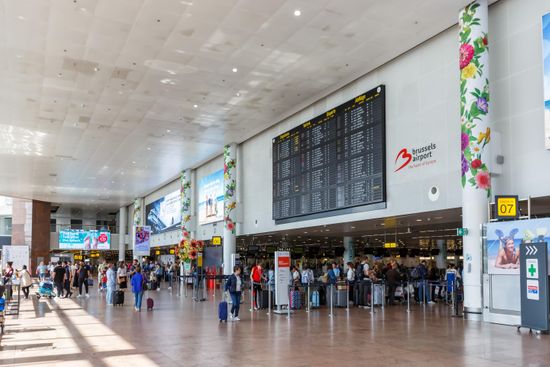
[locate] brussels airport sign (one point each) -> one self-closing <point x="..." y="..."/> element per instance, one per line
<point x="415" y="157"/>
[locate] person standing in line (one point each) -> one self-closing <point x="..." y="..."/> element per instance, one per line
<point x="59" y="278"/>
<point x="234" y="287"/>
<point x="393" y="279"/>
<point x="75" y="269"/>
<point x="256" y="280"/>
<point x="350" y="279"/>
<point x="100" y="274"/>
<point x="122" y="278"/>
<point x="137" y="287"/>
<point x="41" y="271"/>
<point x="68" y="279"/>
<point x="26" y="281"/>
<point x="111" y="284"/>
<point x="83" y="275"/>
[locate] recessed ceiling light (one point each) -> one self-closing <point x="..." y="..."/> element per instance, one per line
<point x="133" y="162"/>
<point x="120" y="92"/>
<point x="20" y="17"/>
<point x="111" y="182"/>
<point x="168" y="131"/>
<point x="419" y="220"/>
<point x="238" y="94"/>
<point x="195" y="106"/>
<point x="18" y="56"/>
<point x="96" y="69"/>
<point x="235" y="70"/>
<point x="148" y="148"/>
<point x="171" y="72"/>
<point x="122" y="173"/>
<point x="297" y="12"/>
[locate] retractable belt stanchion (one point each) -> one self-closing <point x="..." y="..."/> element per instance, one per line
<point x="371" y="297"/>
<point x="269" y="298"/>
<point x="347" y="296"/>
<point x="251" y="296"/>
<point x="289" y="298"/>
<point x="308" y="298"/>
<point x="408" y="296"/>
<point x="331" y="299"/>
<point x="204" y="294"/>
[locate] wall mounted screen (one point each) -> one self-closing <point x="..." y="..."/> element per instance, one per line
<point x="164" y="214"/>
<point x="75" y="239"/>
<point x="546" y="65"/>
<point x="334" y="161"/>
<point x="211" y="198"/>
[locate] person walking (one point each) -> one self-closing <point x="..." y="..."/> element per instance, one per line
<point x="41" y="271"/>
<point x="75" y="269"/>
<point x="122" y="277"/>
<point x="59" y="278"/>
<point x="26" y="281"/>
<point x="83" y="275"/>
<point x="256" y="281"/>
<point x="68" y="279"/>
<point x="137" y="287"/>
<point x="234" y="287"/>
<point x="111" y="283"/>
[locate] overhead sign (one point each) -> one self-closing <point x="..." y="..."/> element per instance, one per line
<point x="77" y="239"/>
<point x="507" y="207"/>
<point x="216" y="240"/>
<point x="390" y="245"/>
<point x="142" y="241"/>
<point x="164" y="214"/>
<point x="462" y="232"/>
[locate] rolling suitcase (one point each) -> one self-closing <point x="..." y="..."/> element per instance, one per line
<point x="378" y="294"/>
<point x="118" y="298"/>
<point x="341" y="298"/>
<point x="150" y="304"/>
<point x="222" y="311"/>
<point x="295" y="300"/>
<point x="264" y="299"/>
<point x="315" y="299"/>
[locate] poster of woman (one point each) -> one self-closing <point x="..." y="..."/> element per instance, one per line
<point x="504" y="239"/>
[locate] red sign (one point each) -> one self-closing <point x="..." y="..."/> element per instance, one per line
<point x="102" y="238"/>
<point x="416" y="157"/>
<point x="404" y="158"/>
<point x="284" y="262"/>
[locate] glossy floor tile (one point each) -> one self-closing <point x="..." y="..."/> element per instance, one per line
<point x="181" y="332"/>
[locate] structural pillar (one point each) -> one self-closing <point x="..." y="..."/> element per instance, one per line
<point x="441" y="258"/>
<point x="230" y="204"/>
<point x="122" y="215"/>
<point x="349" y="251"/>
<point x="475" y="138"/>
<point x="137" y="221"/>
<point x="185" y="197"/>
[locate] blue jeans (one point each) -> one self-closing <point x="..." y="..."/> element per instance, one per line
<point x="137" y="299"/>
<point x="109" y="296"/>
<point x="236" y="300"/>
<point x="423" y="286"/>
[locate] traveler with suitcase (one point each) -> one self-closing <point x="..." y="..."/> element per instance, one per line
<point x="256" y="280"/>
<point x="111" y="284"/>
<point x="137" y="287"/>
<point x="234" y="287"/>
<point x="393" y="279"/>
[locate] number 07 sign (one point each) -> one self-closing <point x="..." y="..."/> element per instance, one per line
<point x="506" y="207"/>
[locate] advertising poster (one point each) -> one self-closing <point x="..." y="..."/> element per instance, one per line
<point x="164" y="214"/>
<point x="75" y="239"/>
<point x="504" y="238"/>
<point x="19" y="255"/>
<point x="211" y="198"/>
<point x="282" y="277"/>
<point x="142" y="241"/>
<point x="546" y="65"/>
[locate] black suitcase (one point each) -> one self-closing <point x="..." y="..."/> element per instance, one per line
<point x="118" y="298"/>
<point x="264" y="299"/>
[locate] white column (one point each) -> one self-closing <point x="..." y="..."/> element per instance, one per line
<point x="475" y="138"/>
<point x="349" y="251"/>
<point x="230" y="204"/>
<point x="122" y="215"/>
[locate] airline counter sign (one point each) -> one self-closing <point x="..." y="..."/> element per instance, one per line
<point x="412" y="158"/>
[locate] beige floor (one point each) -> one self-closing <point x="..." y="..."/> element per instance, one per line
<point x="180" y="332"/>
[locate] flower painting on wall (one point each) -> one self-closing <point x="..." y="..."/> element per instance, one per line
<point x="546" y="63"/>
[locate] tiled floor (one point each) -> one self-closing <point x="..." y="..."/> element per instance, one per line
<point x="180" y="332"/>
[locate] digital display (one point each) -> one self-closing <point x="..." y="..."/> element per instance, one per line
<point x="211" y="198"/>
<point x="164" y="214"/>
<point x="334" y="161"/>
<point x="75" y="239"/>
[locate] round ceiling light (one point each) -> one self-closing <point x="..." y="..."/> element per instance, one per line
<point x="297" y="12"/>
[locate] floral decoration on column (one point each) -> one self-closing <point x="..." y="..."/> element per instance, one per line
<point x="185" y="192"/>
<point x="474" y="100"/>
<point x="137" y="212"/>
<point x="229" y="188"/>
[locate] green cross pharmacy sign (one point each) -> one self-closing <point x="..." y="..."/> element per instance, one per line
<point x="532" y="268"/>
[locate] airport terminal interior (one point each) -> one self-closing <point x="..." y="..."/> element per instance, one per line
<point x="275" y="183"/>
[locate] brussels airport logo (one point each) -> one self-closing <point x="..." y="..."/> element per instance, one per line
<point x="415" y="157"/>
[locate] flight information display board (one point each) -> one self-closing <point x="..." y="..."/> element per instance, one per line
<point x="334" y="161"/>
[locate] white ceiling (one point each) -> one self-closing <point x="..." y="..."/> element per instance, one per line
<point x="97" y="96"/>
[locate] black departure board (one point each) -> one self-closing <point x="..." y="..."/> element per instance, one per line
<point x="334" y="161"/>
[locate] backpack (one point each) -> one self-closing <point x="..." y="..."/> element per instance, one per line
<point x="359" y="275"/>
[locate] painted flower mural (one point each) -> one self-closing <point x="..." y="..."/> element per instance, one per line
<point x="230" y="185"/>
<point x="474" y="101"/>
<point x="188" y="250"/>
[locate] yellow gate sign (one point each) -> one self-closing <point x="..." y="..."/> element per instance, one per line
<point x="506" y="207"/>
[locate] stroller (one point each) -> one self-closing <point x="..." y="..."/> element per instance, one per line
<point x="45" y="289"/>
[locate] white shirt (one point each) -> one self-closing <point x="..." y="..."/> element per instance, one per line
<point x="366" y="269"/>
<point x="121" y="272"/>
<point x="238" y="286"/>
<point x="351" y="275"/>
